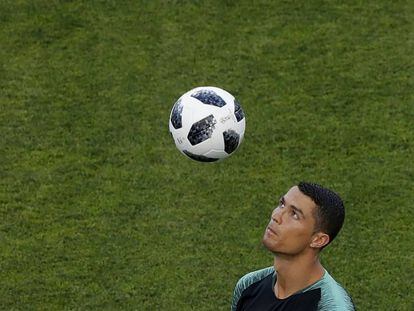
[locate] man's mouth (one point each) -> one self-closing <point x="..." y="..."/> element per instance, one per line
<point x="270" y="230"/>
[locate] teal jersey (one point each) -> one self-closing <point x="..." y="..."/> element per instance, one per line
<point x="254" y="291"/>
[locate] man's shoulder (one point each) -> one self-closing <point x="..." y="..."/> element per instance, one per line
<point x="247" y="280"/>
<point x="333" y="295"/>
<point x="253" y="277"/>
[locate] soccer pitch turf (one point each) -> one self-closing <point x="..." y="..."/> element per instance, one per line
<point x="98" y="210"/>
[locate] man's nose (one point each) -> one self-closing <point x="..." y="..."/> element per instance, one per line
<point x="277" y="215"/>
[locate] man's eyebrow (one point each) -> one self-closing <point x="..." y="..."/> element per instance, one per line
<point x="297" y="209"/>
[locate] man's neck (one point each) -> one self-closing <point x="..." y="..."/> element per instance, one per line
<point x="296" y="273"/>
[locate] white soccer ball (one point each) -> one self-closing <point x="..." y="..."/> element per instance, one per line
<point x="207" y="124"/>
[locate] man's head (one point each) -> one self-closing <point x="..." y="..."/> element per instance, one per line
<point x="307" y="217"/>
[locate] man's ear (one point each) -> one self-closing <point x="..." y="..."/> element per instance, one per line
<point x="319" y="240"/>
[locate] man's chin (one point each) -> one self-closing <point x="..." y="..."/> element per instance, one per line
<point x="268" y="244"/>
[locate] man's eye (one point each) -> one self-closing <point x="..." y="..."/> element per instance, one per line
<point x="295" y="215"/>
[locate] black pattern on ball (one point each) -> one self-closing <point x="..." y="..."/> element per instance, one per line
<point x="238" y="111"/>
<point x="209" y="97"/>
<point x="176" y="115"/>
<point x="231" y="141"/>
<point x="199" y="158"/>
<point x="202" y="130"/>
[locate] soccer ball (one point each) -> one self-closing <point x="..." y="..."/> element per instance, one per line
<point x="207" y="124"/>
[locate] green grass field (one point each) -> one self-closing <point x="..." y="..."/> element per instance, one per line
<point x="99" y="211"/>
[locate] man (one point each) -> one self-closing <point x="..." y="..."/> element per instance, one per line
<point x="306" y="220"/>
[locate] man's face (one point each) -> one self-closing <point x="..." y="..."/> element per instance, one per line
<point x="291" y="225"/>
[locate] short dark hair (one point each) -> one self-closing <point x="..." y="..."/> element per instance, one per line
<point x="330" y="211"/>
